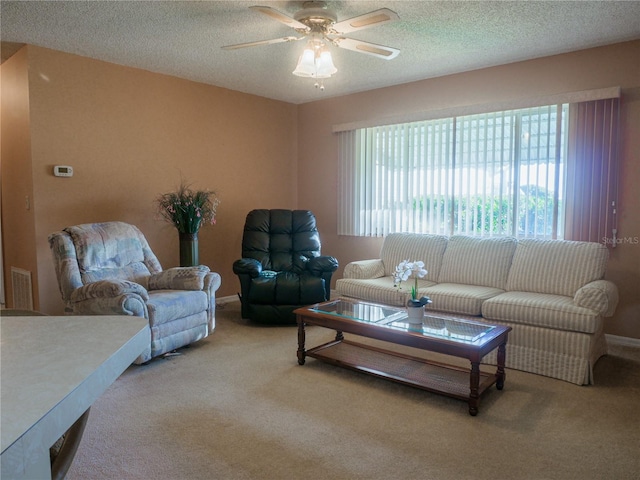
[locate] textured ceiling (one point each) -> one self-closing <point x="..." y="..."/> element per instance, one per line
<point x="436" y="38"/>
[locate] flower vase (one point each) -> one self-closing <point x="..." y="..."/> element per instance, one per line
<point x="415" y="314"/>
<point x="189" y="249"/>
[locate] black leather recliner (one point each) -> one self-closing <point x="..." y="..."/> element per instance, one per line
<point x="282" y="268"/>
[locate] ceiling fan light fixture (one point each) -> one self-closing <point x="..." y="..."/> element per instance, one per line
<point x="306" y="66"/>
<point x="315" y="61"/>
<point x="324" y="63"/>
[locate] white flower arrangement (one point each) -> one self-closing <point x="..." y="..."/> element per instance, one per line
<point x="404" y="270"/>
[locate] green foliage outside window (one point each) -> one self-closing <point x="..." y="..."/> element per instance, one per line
<point x="480" y="215"/>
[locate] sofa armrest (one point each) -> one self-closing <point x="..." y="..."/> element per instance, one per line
<point x="364" y="269"/>
<point x="179" y="278"/>
<point x="599" y="295"/>
<point x="247" y="266"/>
<point x="322" y="264"/>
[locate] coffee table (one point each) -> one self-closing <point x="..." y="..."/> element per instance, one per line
<point x="447" y="335"/>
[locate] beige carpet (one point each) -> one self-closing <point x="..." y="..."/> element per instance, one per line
<point x="238" y="406"/>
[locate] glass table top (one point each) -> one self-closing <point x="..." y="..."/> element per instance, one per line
<point x="455" y="329"/>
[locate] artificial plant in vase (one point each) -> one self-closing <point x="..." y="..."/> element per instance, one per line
<point x="402" y="273"/>
<point x="188" y="210"/>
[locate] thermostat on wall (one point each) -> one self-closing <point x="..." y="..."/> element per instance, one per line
<point x="63" y="171"/>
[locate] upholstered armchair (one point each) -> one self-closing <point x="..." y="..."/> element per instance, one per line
<point x="281" y="267"/>
<point x="109" y="269"/>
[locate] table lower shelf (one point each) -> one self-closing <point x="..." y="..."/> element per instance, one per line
<point x="417" y="372"/>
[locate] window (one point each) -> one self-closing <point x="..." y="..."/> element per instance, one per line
<point x="500" y="173"/>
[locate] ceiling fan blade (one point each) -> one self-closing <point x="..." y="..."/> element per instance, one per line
<point x="371" y="19"/>
<point x="261" y="42"/>
<point x="380" y="51"/>
<point x="280" y="17"/>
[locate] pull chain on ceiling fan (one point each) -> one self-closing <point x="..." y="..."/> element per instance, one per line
<point x="320" y="26"/>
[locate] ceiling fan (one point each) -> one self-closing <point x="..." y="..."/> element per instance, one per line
<point x="319" y="24"/>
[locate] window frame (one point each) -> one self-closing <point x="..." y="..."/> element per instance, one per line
<point x="347" y="223"/>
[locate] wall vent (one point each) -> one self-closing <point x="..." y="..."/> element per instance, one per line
<point x="21" y="287"/>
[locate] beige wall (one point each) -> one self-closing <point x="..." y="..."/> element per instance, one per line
<point x="616" y="65"/>
<point x="130" y="135"/>
<point x="18" y="222"/>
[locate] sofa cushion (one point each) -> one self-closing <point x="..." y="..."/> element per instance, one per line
<point x="558" y="267"/>
<point x="414" y="246"/>
<point x="458" y="298"/>
<point x="541" y="310"/>
<point x="378" y="290"/>
<point x="477" y="261"/>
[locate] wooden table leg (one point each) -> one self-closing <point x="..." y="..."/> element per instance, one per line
<point x="500" y="373"/>
<point x="301" y="339"/>
<point x="474" y="397"/>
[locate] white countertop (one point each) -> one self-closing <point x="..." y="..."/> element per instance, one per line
<point x="52" y="369"/>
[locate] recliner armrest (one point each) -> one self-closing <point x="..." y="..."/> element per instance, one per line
<point x="179" y="278"/>
<point x="212" y="282"/>
<point x="247" y="266"/>
<point x="104" y="297"/>
<point x="599" y="295"/>
<point x="108" y="289"/>
<point x="322" y="264"/>
<point x="364" y="269"/>
<point x="125" y="304"/>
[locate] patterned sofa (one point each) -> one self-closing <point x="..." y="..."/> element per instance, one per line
<point x="551" y="292"/>
<point x="109" y="269"/>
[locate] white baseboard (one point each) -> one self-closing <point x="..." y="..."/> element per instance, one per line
<point x="228" y="299"/>
<point x="623" y="341"/>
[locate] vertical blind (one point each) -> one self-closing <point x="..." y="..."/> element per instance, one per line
<point x="592" y="190"/>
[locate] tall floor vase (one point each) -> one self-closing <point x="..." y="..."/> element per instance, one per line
<point x="189" y="249"/>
